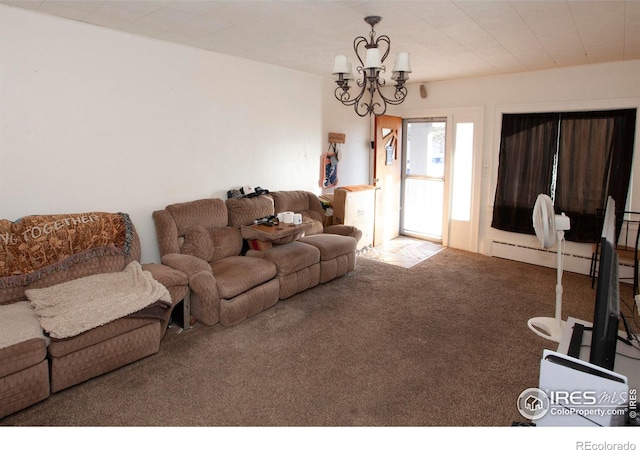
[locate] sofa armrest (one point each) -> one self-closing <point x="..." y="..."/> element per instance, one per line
<point x="176" y="282"/>
<point x="344" y="230"/>
<point x="204" y="299"/>
<point x="166" y="275"/>
<point x="188" y="264"/>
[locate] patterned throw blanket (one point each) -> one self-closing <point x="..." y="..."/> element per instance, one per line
<point x="37" y="245"/>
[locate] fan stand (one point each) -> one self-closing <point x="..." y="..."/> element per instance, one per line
<point x="552" y="327"/>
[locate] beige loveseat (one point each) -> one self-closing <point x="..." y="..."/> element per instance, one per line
<point x="44" y="256"/>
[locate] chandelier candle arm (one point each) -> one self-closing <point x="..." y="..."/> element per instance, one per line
<point x="369" y="72"/>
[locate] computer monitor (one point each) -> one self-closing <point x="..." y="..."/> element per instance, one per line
<point x="606" y="315"/>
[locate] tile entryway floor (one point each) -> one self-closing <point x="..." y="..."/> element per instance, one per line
<point x="403" y="251"/>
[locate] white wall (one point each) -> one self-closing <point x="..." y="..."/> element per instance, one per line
<point x="99" y="120"/>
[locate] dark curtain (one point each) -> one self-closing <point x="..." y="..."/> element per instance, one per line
<point x="527" y="147"/>
<point x="624" y="130"/>
<point x="583" y="167"/>
<point x="594" y="161"/>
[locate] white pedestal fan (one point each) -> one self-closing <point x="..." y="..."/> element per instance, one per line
<point x="549" y="228"/>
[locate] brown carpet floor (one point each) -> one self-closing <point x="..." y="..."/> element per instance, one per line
<point x="444" y="343"/>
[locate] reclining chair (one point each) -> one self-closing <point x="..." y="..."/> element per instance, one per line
<point x="194" y="237"/>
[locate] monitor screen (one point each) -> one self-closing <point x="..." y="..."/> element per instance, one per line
<point x="606" y="315"/>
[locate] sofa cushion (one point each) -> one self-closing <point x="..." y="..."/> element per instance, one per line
<point x="292" y="257"/>
<point x="22" y="341"/>
<point x="237" y="274"/>
<point x="18" y="323"/>
<point x="212" y="244"/>
<point x="315" y="226"/>
<point x="290" y="201"/>
<point x="92" y="338"/>
<point x="208" y="213"/>
<point x="24" y="388"/>
<point x="243" y="211"/>
<point x="331" y="245"/>
<point x="19" y="356"/>
<point x="301" y="202"/>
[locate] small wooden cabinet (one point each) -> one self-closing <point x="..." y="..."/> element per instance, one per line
<point x="355" y="205"/>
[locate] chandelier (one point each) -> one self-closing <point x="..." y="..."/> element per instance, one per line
<point x="370" y="99"/>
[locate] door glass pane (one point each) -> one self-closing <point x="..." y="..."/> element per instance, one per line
<point x="425" y="149"/>
<point x="423" y="183"/>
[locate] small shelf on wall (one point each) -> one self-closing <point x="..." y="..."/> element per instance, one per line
<point x="329" y="161"/>
<point x="337" y="138"/>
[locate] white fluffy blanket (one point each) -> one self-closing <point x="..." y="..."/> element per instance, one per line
<point x="70" y="308"/>
<point x="18" y="323"/>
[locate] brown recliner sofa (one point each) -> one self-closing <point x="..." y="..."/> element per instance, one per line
<point x="33" y="365"/>
<point x="194" y="238"/>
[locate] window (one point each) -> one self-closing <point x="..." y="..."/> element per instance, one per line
<point x="463" y="177"/>
<point x="577" y="158"/>
<point x="423" y="179"/>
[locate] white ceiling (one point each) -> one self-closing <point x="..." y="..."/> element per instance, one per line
<point x="446" y="39"/>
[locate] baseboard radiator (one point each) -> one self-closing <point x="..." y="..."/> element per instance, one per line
<point x="572" y="262"/>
